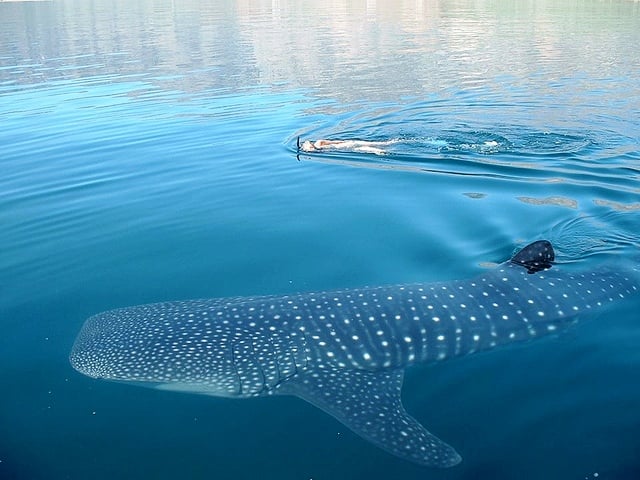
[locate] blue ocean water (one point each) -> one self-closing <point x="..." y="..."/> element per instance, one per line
<point x="149" y="154"/>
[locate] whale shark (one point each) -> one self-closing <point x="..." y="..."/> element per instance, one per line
<point x="345" y="351"/>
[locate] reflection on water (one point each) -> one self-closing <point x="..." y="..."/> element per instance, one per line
<point x="347" y="51"/>
<point x="559" y="201"/>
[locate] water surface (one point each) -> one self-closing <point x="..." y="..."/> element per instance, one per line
<point x="149" y="154"/>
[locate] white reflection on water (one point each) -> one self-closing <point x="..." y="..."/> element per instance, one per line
<point x="373" y="50"/>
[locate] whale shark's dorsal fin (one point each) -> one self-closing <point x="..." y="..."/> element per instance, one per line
<point x="535" y="257"/>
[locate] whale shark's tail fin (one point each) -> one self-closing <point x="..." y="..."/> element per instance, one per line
<point x="535" y="257"/>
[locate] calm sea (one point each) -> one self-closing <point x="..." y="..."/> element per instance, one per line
<point x="148" y="153"/>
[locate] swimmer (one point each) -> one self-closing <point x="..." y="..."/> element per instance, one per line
<point x="362" y="146"/>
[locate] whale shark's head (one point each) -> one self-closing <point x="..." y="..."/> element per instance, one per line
<point x="154" y="346"/>
<point x="216" y="347"/>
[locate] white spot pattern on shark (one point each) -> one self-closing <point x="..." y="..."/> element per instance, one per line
<point x="344" y="351"/>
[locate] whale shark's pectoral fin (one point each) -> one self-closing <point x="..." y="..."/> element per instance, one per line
<point x="369" y="404"/>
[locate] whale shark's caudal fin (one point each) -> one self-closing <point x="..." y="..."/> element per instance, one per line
<point x="535" y="257"/>
<point x="369" y="403"/>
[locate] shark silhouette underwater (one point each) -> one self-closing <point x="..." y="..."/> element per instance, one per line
<point x="345" y="351"/>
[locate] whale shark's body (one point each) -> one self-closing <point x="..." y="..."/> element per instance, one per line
<point x="344" y="351"/>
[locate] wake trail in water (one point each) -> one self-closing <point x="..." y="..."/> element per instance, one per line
<point x="519" y="155"/>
